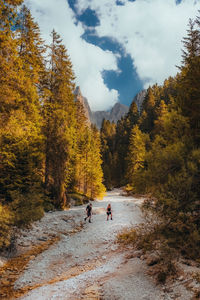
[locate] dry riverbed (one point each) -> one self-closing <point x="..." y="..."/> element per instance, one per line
<point x="83" y="261"/>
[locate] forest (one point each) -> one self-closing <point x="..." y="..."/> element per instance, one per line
<point x="48" y="151"/>
<point x="156" y="151"/>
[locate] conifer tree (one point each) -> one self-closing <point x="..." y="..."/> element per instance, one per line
<point x="20" y="126"/>
<point x="89" y="175"/>
<point x="123" y="131"/>
<point x="148" y="112"/>
<point x="189" y="88"/>
<point x="136" y="152"/>
<point x="59" y="129"/>
<point x="94" y="173"/>
<point x="31" y="46"/>
<point x="107" y="134"/>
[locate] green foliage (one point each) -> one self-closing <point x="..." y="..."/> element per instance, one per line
<point x="136" y="152"/>
<point x="59" y="121"/>
<point x="115" y="140"/>
<point x="27" y="207"/>
<point x="167" y="165"/>
<point x="46" y="144"/>
<point x="128" y="236"/>
<point x="108" y="131"/>
<point x="79" y="199"/>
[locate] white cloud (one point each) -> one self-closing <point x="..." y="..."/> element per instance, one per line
<point x="88" y="60"/>
<point x="150" y="31"/>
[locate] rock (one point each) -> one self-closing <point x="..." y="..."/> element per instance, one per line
<point x="103" y="257"/>
<point x="2" y="262"/>
<point x="43" y="239"/>
<point x="137" y="254"/>
<point x="181" y="278"/>
<point x="152" y="259"/>
<point x="113" y="248"/>
<point x="32" y="257"/>
<point x="96" y="117"/>
<point x="139" y="98"/>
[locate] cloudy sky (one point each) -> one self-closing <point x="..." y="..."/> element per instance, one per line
<point x="117" y="47"/>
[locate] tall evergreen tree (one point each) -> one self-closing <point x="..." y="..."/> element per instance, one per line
<point x="20" y="125"/>
<point x="123" y="131"/>
<point x="189" y="87"/>
<point x="108" y="131"/>
<point x="59" y="129"/>
<point x="136" y="152"/>
<point x="31" y="46"/>
<point x="148" y="111"/>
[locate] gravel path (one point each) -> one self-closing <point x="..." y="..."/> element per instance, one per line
<point x="88" y="264"/>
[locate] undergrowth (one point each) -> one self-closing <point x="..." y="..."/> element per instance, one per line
<point x="148" y="238"/>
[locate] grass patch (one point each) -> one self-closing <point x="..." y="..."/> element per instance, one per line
<point x="160" y="257"/>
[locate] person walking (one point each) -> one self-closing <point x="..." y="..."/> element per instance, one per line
<point x="89" y="212"/>
<point x="109" y="212"/>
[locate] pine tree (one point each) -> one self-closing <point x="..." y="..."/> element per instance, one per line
<point x="107" y="134"/>
<point x="123" y="131"/>
<point x="20" y="129"/>
<point x="10" y="65"/>
<point x="59" y="129"/>
<point x="148" y="115"/>
<point x="31" y="46"/>
<point x="94" y="173"/>
<point x="136" y="152"/>
<point x="189" y="88"/>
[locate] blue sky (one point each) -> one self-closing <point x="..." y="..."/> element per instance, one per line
<point x="127" y="81"/>
<point x="117" y="47"/>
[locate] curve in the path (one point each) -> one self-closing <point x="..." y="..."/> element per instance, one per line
<point x="90" y="256"/>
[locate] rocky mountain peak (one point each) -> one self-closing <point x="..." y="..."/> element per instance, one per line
<point x="79" y="97"/>
<point x="96" y="117"/>
<point x="139" y="98"/>
<point x="115" y="114"/>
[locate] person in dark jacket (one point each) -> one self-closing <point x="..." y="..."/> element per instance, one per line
<point x="88" y="212"/>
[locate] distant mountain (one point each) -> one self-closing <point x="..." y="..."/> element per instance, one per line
<point x="139" y="98"/>
<point x="79" y="97"/>
<point x="115" y="114"/>
<point x="96" y="117"/>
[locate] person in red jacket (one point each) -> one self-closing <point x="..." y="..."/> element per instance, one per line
<point x="109" y="212"/>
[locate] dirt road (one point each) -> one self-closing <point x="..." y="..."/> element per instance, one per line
<point x="87" y="263"/>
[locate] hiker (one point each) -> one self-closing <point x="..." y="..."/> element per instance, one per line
<point x="89" y="212"/>
<point x="109" y="212"/>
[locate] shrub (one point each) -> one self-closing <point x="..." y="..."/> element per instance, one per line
<point x="6" y="219"/>
<point x="27" y="207"/>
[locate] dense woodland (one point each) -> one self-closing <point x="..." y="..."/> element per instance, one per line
<point x="157" y="152"/>
<point x="48" y="151"/>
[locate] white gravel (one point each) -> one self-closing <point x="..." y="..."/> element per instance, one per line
<point x="94" y="244"/>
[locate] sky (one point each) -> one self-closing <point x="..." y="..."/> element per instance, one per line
<point x="117" y="47"/>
